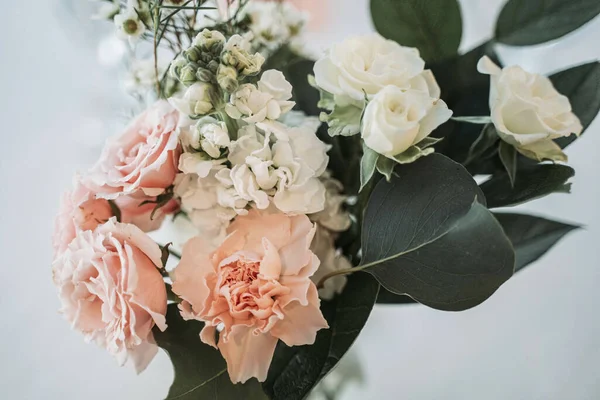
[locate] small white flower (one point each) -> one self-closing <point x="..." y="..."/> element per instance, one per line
<point x="237" y="54"/>
<point x="528" y="112"/>
<point x="323" y="245"/>
<point x="129" y="25"/>
<point x="397" y="119"/>
<point x="196" y="100"/>
<point x="270" y="100"/>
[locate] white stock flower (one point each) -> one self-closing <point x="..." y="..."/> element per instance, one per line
<point x="269" y="100"/>
<point x="528" y="112"/>
<point x="129" y="25"/>
<point x="237" y="53"/>
<point x="396" y="120"/>
<point x="323" y="245"/>
<point x="195" y="101"/>
<point x="333" y="217"/>
<point x="364" y="65"/>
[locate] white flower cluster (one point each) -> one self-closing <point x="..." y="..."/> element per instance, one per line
<point x="248" y="152"/>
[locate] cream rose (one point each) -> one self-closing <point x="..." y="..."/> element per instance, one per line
<point x="528" y="112"/>
<point x="112" y="291"/>
<point x="144" y="158"/>
<point x="366" y="64"/>
<point x="396" y="120"/>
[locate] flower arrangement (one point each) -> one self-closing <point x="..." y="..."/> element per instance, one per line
<point x="313" y="188"/>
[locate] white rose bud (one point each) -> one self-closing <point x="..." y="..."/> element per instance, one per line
<point x="397" y="119"/>
<point x="528" y="112"/>
<point x="196" y="100"/>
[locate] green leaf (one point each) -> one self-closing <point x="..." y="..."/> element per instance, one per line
<point x="432" y="26"/>
<point x="200" y="370"/>
<point x="529" y="22"/>
<point x="387" y="297"/>
<point x="531" y="236"/>
<point x="474" y="120"/>
<point x="368" y="164"/>
<point x="343" y="120"/>
<point x="484" y="142"/>
<point x="508" y="157"/>
<point x="296" y="370"/>
<point x="534" y="181"/>
<point x="426" y="236"/>
<point x="386" y="166"/>
<point x="582" y="86"/>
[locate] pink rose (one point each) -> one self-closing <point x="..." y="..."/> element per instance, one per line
<point x="112" y="291"/>
<point x="133" y="212"/>
<point x="257" y="285"/>
<point x="79" y="210"/>
<point x="144" y="157"/>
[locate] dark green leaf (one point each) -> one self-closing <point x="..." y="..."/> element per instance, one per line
<point x="486" y="140"/>
<point x="508" y="156"/>
<point x="529" y="22"/>
<point x="200" y="370"/>
<point x="432" y="26"/>
<point x="582" y="86"/>
<point x="535" y="181"/>
<point x="296" y="370"/>
<point x="368" y="165"/>
<point x="165" y="253"/>
<point x="387" y="297"/>
<point x="532" y="236"/>
<point x="425" y="235"/>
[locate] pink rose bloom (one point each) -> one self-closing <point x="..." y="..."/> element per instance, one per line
<point x="112" y="291"/>
<point x="144" y="158"/>
<point x="132" y="212"/>
<point x="79" y="210"/>
<point x="257" y="286"/>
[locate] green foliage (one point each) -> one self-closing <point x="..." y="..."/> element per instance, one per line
<point x="426" y="234"/>
<point x="582" y="86"/>
<point x="532" y="236"/>
<point x="200" y="370"/>
<point x="432" y="26"/>
<point x="535" y="181"/>
<point x="508" y="157"/>
<point x="529" y="22"/>
<point x="296" y="370"/>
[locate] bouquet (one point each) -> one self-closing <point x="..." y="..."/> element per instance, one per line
<point x="299" y="191"/>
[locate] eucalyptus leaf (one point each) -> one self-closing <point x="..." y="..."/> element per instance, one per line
<point x="535" y="181"/>
<point x="200" y="370"/>
<point x="582" y="86"/>
<point x="296" y="370"/>
<point x="508" y="157"/>
<point x="531" y="236"/>
<point x="433" y="26"/>
<point x="529" y="22"/>
<point x="368" y="164"/>
<point x="427" y="235"/>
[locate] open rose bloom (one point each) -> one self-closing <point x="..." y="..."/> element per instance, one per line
<point x="256" y="286"/>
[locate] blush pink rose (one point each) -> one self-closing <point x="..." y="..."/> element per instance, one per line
<point x="79" y="210"/>
<point x="144" y="158"/>
<point x="257" y="286"/>
<point x="133" y="211"/>
<point x="112" y="291"/>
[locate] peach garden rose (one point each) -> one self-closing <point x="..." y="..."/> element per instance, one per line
<point x="112" y="291"/>
<point x="144" y="159"/>
<point x="256" y="286"/>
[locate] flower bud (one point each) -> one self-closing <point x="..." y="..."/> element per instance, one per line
<point x="187" y="75"/>
<point x="192" y="54"/>
<point x="211" y="41"/>
<point x="227" y="78"/>
<point x="204" y="75"/>
<point x="176" y="66"/>
<point x="213" y="66"/>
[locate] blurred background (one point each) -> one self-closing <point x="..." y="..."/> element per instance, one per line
<point x="538" y="337"/>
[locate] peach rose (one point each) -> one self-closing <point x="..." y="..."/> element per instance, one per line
<point x="257" y="286"/>
<point x="112" y="291"/>
<point x="144" y="157"/>
<point x="79" y="210"/>
<point x="133" y="212"/>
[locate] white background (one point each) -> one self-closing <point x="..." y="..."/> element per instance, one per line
<point x="538" y="337"/>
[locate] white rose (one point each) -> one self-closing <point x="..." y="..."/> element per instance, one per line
<point x="268" y="101"/>
<point x="323" y="245"/>
<point x="366" y="64"/>
<point x="528" y="112"/>
<point x="195" y="101"/>
<point x="397" y="119"/>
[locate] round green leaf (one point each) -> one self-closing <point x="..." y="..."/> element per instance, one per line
<point x="432" y="26"/>
<point x="426" y="235"/>
<point x="529" y="22"/>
